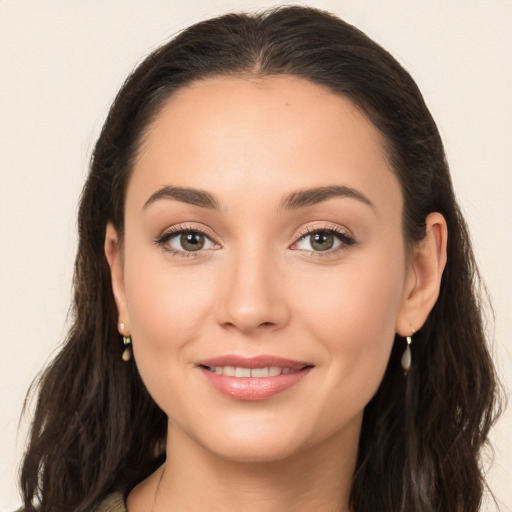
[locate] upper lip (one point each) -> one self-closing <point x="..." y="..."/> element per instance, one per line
<point x="261" y="361"/>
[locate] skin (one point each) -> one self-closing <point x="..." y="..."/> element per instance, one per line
<point x="260" y="287"/>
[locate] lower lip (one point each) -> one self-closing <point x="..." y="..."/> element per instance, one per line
<point x="254" y="388"/>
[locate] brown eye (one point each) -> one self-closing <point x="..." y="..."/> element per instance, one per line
<point x="322" y="241"/>
<point x="186" y="242"/>
<point x="192" y="241"/>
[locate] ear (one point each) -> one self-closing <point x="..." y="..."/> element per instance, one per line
<point x="424" y="273"/>
<point x="115" y="261"/>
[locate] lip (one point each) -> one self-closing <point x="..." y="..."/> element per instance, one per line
<point x="261" y="361"/>
<point x="253" y="388"/>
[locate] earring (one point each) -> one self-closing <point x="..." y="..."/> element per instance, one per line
<point x="407" y="356"/>
<point x="127" y="341"/>
<point x="127" y="353"/>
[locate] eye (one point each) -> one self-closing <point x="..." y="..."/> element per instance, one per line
<point x="186" y="241"/>
<point x="323" y="240"/>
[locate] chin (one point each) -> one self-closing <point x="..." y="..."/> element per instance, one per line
<point x="254" y="442"/>
<point x="256" y="451"/>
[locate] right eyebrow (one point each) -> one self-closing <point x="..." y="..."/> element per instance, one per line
<point x="187" y="195"/>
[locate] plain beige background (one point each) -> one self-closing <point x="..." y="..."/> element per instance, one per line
<point x="61" y="63"/>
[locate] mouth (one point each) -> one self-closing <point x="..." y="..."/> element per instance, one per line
<point x="243" y="372"/>
<point x="255" y="378"/>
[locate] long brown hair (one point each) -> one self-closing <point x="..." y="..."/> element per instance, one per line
<point x="96" y="429"/>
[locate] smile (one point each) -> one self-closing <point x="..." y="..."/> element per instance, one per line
<point x="255" y="378"/>
<point x="240" y="371"/>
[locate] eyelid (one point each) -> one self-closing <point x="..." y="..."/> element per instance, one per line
<point x="173" y="231"/>
<point x="315" y="228"/>
<point x="344" y="235"/>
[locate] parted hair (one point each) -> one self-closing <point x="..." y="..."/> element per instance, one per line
<point x="96" y="429"/>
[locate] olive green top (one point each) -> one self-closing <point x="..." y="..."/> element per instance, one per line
<point x="112" y="503"/>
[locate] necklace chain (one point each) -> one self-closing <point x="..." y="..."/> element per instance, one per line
<point x="153" y="508"/>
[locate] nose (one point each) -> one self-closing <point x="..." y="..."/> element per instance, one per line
<point x="252" y="294"/>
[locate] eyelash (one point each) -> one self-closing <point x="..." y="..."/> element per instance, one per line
<point x="175" y="231"/>
<point x="343" y="237"/>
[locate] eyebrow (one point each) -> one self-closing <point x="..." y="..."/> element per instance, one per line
<point x="312" y="196"/>
<point x="295" y="200"/>
<point x="187" y="195"/>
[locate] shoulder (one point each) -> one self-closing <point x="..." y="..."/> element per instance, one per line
<point x="112" y="503"/>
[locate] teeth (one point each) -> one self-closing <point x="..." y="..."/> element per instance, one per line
<point x="237" y="371"/>
<point x="242" y="372"/>
<point x="259" y="372"/>
<point x="229" y="371"/>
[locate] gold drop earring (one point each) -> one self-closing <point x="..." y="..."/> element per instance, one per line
<point x="127" y="341"/>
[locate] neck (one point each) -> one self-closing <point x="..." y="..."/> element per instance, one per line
<point x="195" y="479"/>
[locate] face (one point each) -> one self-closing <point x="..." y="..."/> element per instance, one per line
<point x="263" y="268"/>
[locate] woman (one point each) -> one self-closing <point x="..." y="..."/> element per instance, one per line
<point x="274" y="290"/>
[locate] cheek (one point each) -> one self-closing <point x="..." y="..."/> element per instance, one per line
<point x="365" y="295"/>
<point x="167" y="308"/>
<point x="167" y="314"/>
<point x="164" y="303"/>
<point x="352" y="311"/>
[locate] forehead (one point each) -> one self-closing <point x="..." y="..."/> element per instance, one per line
<point x="262" y="135"/>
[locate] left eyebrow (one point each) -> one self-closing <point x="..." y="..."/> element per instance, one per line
<point x="187" y="195"/>
<point x="313" y="196"/>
